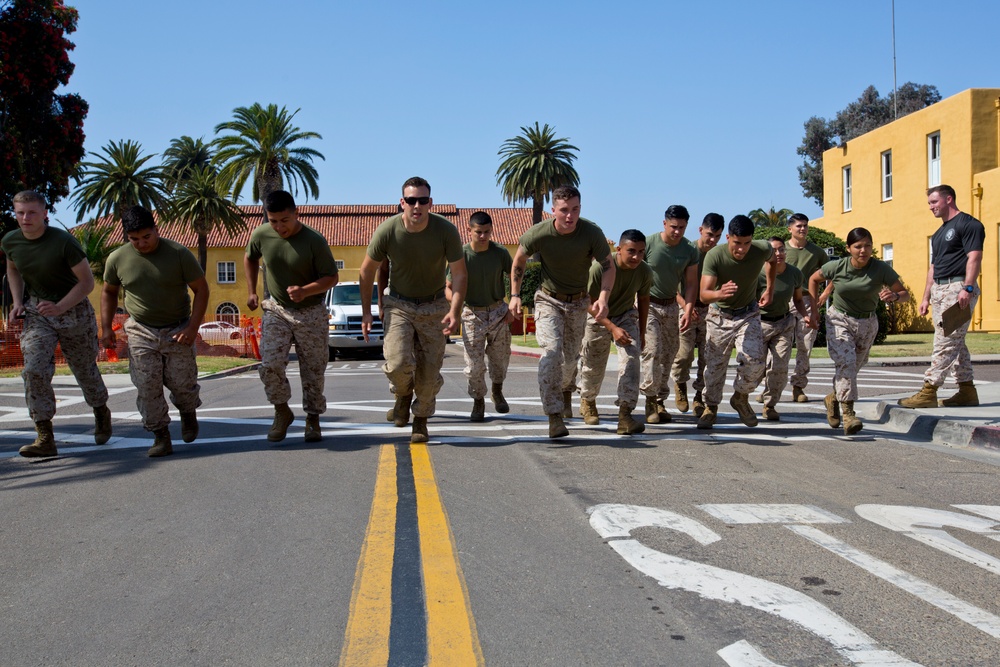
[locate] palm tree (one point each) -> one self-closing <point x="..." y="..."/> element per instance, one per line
<point x="181" y="158"/>
<point x="200" y="203"/>
<point x="770" y="217"/>
<point x="262" y="145"/>
<point x="534" y="164"/>
<point x="118" y="179"/>
<point x="97" y="244"/>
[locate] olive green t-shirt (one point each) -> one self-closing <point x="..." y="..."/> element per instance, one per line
<point x="298" y="260"/>
<point x="681" y="287"/>
<point x="669" y="264"/>
<point x="486" y="270"/>
<point x="628" y="283"/>
<point x="785" y="284"/>
<point x="566" y="258"/>
<point x="419" y="259"/>
<point x="856" y="290"/>
<point x="719" y="262"/>
<point x="46" y="263"/>
<point x="807" y="259"/>
<point x="156" y="285"/>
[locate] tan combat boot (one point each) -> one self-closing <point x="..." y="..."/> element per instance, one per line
<point x="698" y="404"/>
<point x="652" y="414"/>
<point x="189" y="426"/>
<point x="478" y="413"/>
<point x="967" y="397"/>
<point x="44" y="444"/>
<point x="557" y="429"/>
<point x="588" y="410"/>
<point x="832" y="410"/>
<point x="681" y="397"/>
<point x="799" y="395"/>
<point x="313" y="432"/>
<point x="851" y="422"/>
<point x="102" y="424"/>
<point x="161" y="444"/>
<point x="708" y="417"/>
<point x="925" y="398"/>
<point x="741" y="403"/>
<point x="567" y="411"/>
<point x="419" y="432"/>
<point x="499" y="402"/>
<point x="627" y="425"/>
<point x="283" y="418"/>
<point x="770" y="414"/>
<point x="661" y="411"/>
<point x="401" y="411"/>
<point x="760" y="397"/>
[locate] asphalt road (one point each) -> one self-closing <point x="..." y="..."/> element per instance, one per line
<point x="789" y="542"/>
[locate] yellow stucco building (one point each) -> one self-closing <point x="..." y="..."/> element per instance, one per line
<point x="347" y="228"/>
<point x="879" y="181"/>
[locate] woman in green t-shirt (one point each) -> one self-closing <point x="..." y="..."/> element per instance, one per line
<point x="858" y="283"/>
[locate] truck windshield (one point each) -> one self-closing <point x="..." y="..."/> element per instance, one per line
<point x="350" y="295"/>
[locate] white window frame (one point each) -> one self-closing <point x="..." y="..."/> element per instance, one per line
<point x="933" y="159"/>
<point x="227" y="311"/>
<point x="886" y="170"/>
<point x="340" y="264"/>
<point x="223" y="270"/>
<point x="887" y="253"/>
<point x="847" y="180"/>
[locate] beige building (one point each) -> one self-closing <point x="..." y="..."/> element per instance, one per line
<point x="879" y="181"/>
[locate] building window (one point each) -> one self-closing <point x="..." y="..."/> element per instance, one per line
<point x="933" y="159"/>
<point x="340" y="264"/>
<point x="848" y="197"/>
<point x="228" y="311"/>
<point x="226" y="272"/>
<point x="887" y="253"/>
<point x="887" y="176"/>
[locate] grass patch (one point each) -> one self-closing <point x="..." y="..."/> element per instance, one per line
<point x="206" y="365"/>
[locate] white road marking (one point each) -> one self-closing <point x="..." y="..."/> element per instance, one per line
<point x="771" y="513"/>
<point x="989" y="511"/>
<point x="715" y="583"/>
<point x="974" y="616"/>
<point x="744" y="654"/>
<point x="925" y="525"/>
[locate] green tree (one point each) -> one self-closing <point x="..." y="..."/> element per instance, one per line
<point x="868" y="112"/>
<point x="817" y="235"/>
<point x="262" y="144"/>
<point x="182" y="157"/>
<point x="41" y="133"/>
<point x="199" y="203"/>
<point x="770" y="217"/>
<point x="534" y="164"/>
<point x="117" y="180"/>
<point x="98" y="243"/>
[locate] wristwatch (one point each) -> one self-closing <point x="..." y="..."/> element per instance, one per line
<point x="968" y="288"/>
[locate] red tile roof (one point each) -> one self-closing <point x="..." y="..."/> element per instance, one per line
<point x="354" y="224"/>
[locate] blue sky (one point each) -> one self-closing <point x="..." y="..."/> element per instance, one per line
<point x="700" y="104"/>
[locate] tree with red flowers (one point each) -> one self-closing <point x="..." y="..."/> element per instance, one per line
<point x="41" y="133"/>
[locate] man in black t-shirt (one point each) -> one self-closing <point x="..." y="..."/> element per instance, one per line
<point x="956" y="258"/>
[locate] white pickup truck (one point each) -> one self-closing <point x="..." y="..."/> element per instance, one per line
<point x="343" y="303"/>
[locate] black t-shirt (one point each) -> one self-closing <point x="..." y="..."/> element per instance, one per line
<point x="952" y="243"/>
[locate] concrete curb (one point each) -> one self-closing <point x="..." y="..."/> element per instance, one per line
<point x="935" y="428"/>
<point x="231" y="371"/>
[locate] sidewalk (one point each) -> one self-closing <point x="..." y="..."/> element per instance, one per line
<point x="956" y="427"/>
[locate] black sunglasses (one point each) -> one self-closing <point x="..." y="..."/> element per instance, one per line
<point x="413" y="201"/>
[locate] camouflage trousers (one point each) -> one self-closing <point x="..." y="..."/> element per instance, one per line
<point x="559" y="327"/>
<point x="307" y="329"/>
<point x="662" y="342"/>
<point x="805" y="338"/>
<point x="414" y="350"/>
<point x="778" y="337"/>
<point x="75" y="331"/>
<point x="693" y="338"/>
<point x="950" y="352"/>
<point x="722" y="334"/>
<point x="155" y="361"/>
<point x="848" y="340"/>
<point x="594" y="359"/>
<point x="486" y="341"/>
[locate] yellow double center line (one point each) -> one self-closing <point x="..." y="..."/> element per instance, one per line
<point x="385" y="627"/>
